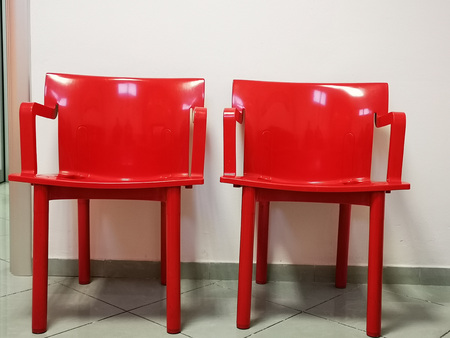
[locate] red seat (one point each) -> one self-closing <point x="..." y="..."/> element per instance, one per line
<point x="119" y="138"/>
<point x="311" y="143"/>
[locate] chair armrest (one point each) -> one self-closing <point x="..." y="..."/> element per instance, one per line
<point x="198" y="142"/>
<point x="396" y="143"/>
<point x="230" y="117"/>
<point x="27" y="114"/>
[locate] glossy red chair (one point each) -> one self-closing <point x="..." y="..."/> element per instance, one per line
<point x="311" y="143"/>
<point x="119" y="138"/>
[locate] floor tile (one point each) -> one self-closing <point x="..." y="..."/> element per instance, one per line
<point x="307" y="326"/>
<point x="447" y="335"/>
<point x="4" y="248"/>
<point x="209" y="307"/>
<point x="4" y="188"/>
<point x="66" y="309"/>
<point x="126" y="293"/>
<point x="122" y="325"/>
<point x="4" y="206"/>
<point x="4" y="227"/>
<point x="211" y="310"/>
<point x="432" y="293"/>
<point x="401" y="316"/>
<point x="10" y="284"/>
<point x="129" y="293"/>
<point x="298" y="296"/>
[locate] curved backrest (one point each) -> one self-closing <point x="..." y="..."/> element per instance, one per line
<point x="123" y="128"/>
<point x="309" y="132"/>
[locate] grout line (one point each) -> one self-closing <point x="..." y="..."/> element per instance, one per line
<point x="115" y="315"/>
<point x="223" y="286"/>
<point x="199" y="287"/>
<point x="132" y="309"/>
<point x="298" y="310"/>
<point x="345" y="291"/>
<point x="337" y="322"/>
<point x="83" y="293"/>
<point x="274" y="324"/>
<point x="147" y="319"/>
<point x="16" y="293"/>
<point x="4" y="260"/>
<point x="144" y="305"/>
<point x="415" y="298"/>
<point x="325" y="301"/>
<point x="68" y="330"/>
<point x="152" y="321"/>
<point x="86" y="324"/>
<point x="445" y="334"/>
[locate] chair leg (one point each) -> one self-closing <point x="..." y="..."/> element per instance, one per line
<point x="342" y="245"/>
<point x="40" y="259"/>
<point x="375" y="274"/>
<point x="84" y="253"/>
<point x="246" y="258"/>
<point x="173" y="259"/>
<point x="262" y="242"/>
<point x="163" y="243"/>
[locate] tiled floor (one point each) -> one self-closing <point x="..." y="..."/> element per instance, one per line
<point x="136" y="307"/>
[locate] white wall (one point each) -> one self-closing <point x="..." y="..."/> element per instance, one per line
<point x="405" y="43"/>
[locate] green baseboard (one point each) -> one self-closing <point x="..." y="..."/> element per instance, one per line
<point x="229" y="271"/>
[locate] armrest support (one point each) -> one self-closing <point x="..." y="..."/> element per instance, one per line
<point x="28" y="112"/>
<point x="230" y="117"/>
<point x="198" y="142"/>
<point x="396" y="143"/>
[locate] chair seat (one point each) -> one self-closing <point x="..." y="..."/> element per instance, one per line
<point x="325" y="186"/>
<point x="105" y="182"/>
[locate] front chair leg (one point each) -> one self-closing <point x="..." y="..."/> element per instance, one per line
<point x="246" y="258"/>
<point x="84" y="253"/>
<point x="40" y="259"/>
<point x="163" y="243"/>
<point x="342" y="245"/>
<point x="262" y="242"/>
<point x="375" y="273"/>
<point x="173" y="259"/>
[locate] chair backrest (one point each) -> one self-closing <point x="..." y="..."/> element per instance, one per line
<point x="309" y="132"/>
<point x="123" y="128"/>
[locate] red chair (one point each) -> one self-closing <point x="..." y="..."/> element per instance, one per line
<point x="311" y="143"/>
<point x="119" y="138"/>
